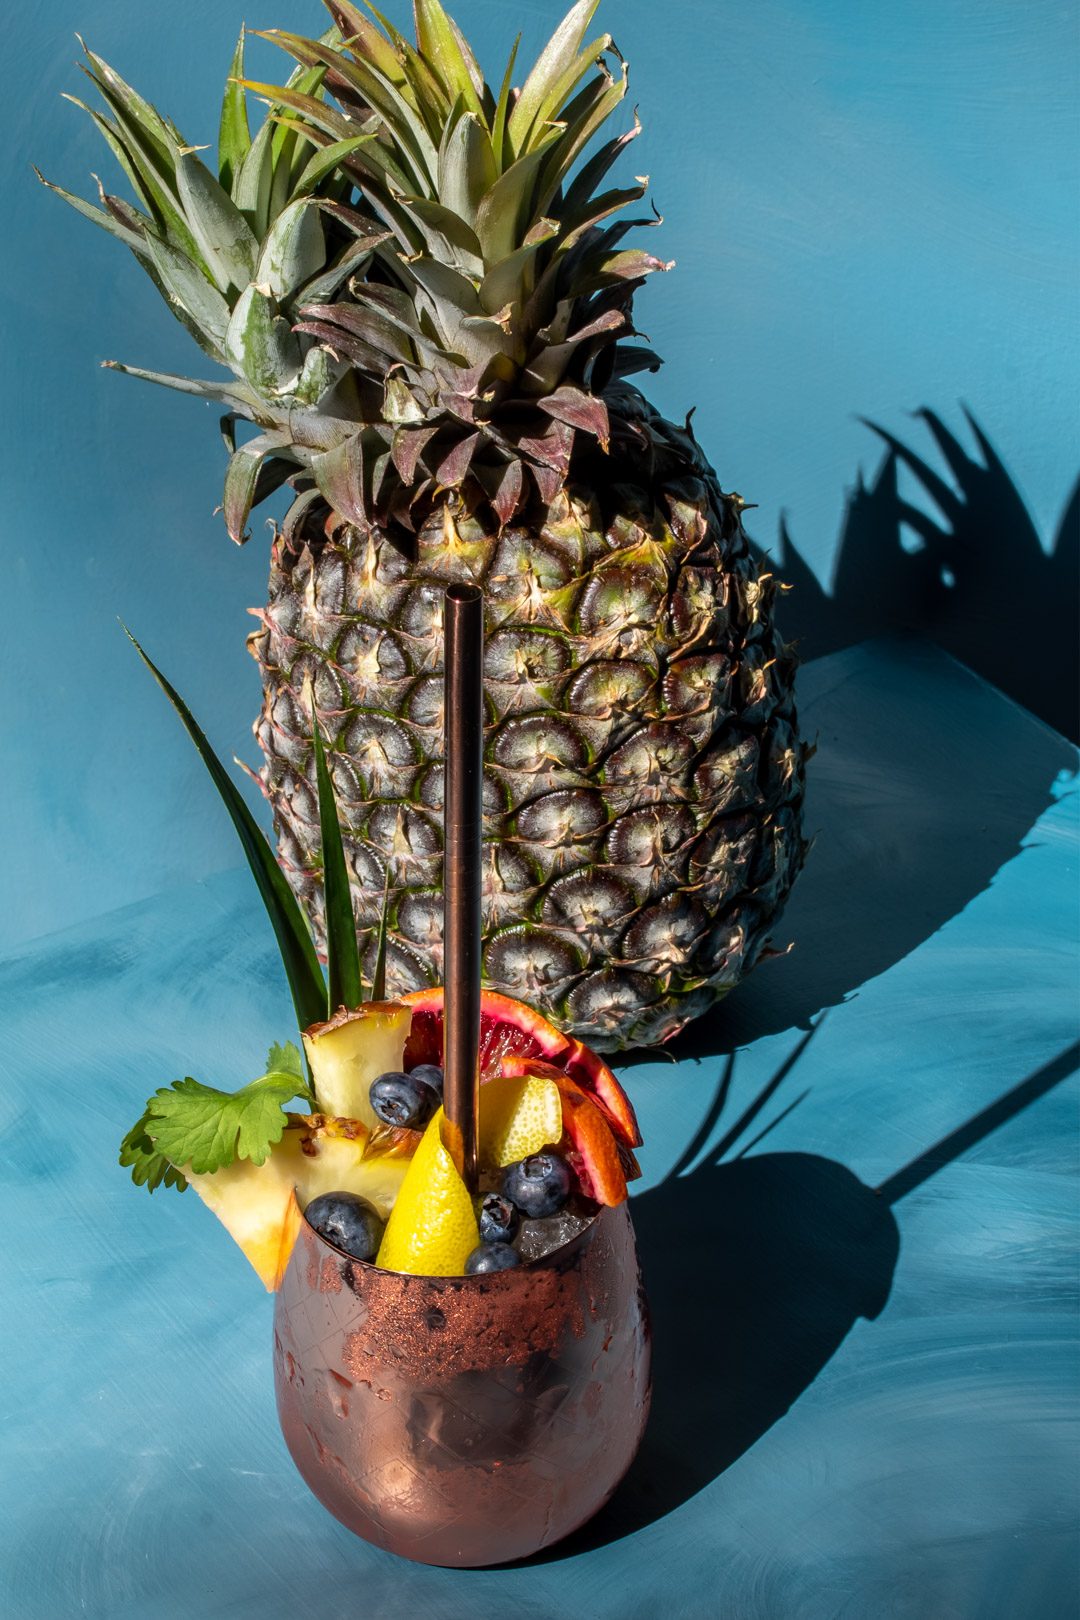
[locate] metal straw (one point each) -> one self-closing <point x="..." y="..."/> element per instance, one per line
<point x="462" y="819"/>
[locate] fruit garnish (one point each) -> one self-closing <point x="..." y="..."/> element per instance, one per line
<point x="538" y="1185"/>
<point x="194" y="1126"/>
<point x="253" y="1201"/>
<point x="593" y="1075"/>
<point x="394" y="1140"/>
<point x="431" y="1074"/>
<point x="593" y="1153"/>
<point x="596" y="1157"/>
<point x="488" y="1257"/>
<point x="498" y="1219"/>
<point x="518" y="1115"/>
<point x="347" y="1221"/>
<point x="404" y="1100"/>
<point x="505" y="1026"/>
<point x="350" y="1050"/>
<point x="432" y="1227"/>
<point x="509" y="1028"/>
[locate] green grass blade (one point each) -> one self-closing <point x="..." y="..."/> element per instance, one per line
<point x="441" y="47"/>
<point x="504" y="155"/>
<point x="234" y="133"/>
<point x="226" y="241"/>
<point x="345" y="986"/>
<point x="553" y="62"/>
<point x="186" y="286"/>
<point x="378" y="978"/>
<point x="287" y="920"/>
<point x="98" y="215"/>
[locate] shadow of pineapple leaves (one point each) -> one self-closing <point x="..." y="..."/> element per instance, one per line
<point x="979" y="584"/>
<point x="911" y="815"/>
<point x="757" y="1267"/>
<point x="907" y="803"/>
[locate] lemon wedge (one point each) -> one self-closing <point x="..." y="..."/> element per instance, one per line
<point x="519" y="1115"/>
<point x="432" y="1227"/>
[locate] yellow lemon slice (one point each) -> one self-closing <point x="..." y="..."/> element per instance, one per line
<point x="432" y="1227"/>
<point x="519" y="1115"/>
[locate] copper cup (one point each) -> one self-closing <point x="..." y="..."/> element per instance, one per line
<point x="465" y="1420"/>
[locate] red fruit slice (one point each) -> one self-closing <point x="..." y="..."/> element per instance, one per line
<point x="593" y="1075"/>
<point x="510" y="1028"/>
<point x="593" y="1152"/>
<point x="505" y="1026"/>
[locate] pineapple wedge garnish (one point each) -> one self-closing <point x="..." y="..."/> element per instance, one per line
<point x="259" y="1204"/>
<point x="350" y="1050"/>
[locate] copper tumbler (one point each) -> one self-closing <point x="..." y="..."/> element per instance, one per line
<point x="465" y="1420"/>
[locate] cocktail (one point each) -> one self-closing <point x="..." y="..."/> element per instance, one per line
<point x="468" y="1405"/>
<point x="461" y="1348"/>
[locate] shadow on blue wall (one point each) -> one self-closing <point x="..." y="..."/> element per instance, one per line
<point x="751" y="1297"/>
<point x="979" y="583"/>
<point x="886" y="871"/>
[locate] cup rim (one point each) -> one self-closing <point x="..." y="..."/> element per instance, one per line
<point x="483" y="1277"/>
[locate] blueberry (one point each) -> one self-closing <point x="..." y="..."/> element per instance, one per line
<point x="491" y="1257"/>
<point x="538" y="1185"/>
<point x="347" y="1221"/>
<point x="431" y="1074"/>
<point x="403" y="1099"/>
<point x="498" y="1219"/>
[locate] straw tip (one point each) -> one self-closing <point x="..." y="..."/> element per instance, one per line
<point x="464" y="593"/>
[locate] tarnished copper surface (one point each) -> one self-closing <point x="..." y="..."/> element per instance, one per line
<point x="465" y="1420"/>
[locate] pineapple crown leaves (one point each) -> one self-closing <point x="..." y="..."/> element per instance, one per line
<point x="196" y="1125"/>
<point x="234" y="255"/>
<point x="489" y="317"/>
<point x="414" y="277"/>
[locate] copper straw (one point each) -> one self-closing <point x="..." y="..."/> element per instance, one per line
<point x="464" y="729"/>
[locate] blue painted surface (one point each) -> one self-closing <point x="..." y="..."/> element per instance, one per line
<point x="872" y="207"/>
<point x="865" y="1402"/>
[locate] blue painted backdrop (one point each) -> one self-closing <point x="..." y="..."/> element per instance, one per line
<point x="872" y="207"/>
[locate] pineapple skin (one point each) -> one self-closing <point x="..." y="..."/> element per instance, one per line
<point x="643" y="770"/>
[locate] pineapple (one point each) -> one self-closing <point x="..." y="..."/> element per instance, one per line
<point x="259" y="1205"/>
<point x="348" y="1051"/>
<point x="420" y="290"/>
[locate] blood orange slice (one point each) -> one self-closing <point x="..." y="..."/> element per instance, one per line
<point x="592" y="1151"/>
<point x="593" y="1075"/>
<point x="510" y="1028"/>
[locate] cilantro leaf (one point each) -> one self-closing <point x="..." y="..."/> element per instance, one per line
<point x="149" y="1168"/>
<point x="198" y="1126"/>
<point x="285" y="1060"/>
<point x="204" y="1129"/>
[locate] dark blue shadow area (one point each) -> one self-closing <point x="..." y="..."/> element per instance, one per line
<point x="888" y="869"/>
<point x="979" y="584"/>
<point x="757" y="1269"/>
